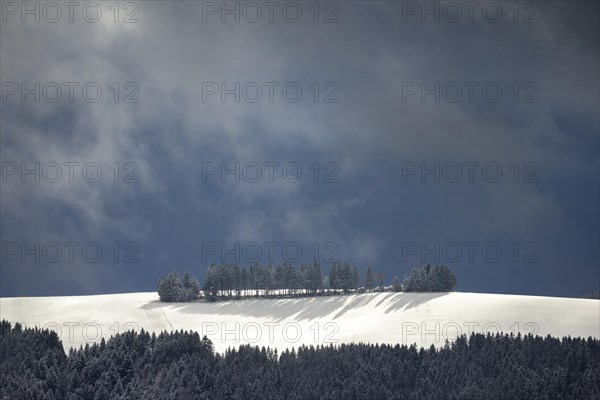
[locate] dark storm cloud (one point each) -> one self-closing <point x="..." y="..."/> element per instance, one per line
<point x="370" y="54"/>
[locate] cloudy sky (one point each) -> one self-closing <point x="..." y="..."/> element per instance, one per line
<point x="158" y="136"/>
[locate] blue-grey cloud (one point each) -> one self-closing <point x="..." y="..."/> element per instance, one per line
<point x="369" y="135"/>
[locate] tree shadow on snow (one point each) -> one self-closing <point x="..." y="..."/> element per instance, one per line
<point x="300" y="309"/>
<point x="411" y="300"/>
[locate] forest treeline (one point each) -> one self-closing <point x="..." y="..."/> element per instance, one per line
<point x="181" y="365"/>
<point x="229" y="281"/>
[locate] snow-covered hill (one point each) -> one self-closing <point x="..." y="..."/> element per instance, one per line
<point x="421" y="318"/>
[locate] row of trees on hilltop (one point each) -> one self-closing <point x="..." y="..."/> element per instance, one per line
<point x="182" y="365"/>
<point x="232" y="281"/>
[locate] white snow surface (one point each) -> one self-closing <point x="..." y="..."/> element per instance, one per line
<point x="404" y="318"/>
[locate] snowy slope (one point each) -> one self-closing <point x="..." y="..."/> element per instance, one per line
<point x="421" y="318"/>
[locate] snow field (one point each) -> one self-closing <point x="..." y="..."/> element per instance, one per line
<point x="404" y="318"/>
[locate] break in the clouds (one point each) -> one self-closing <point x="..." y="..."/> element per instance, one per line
<point x="341" y="115"/>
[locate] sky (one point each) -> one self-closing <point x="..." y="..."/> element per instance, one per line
<point x="157" y="136"/>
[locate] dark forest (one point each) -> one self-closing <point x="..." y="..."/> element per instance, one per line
<point x="181" y="365"/>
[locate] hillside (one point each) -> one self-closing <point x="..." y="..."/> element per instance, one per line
<point x="422" y="318"/>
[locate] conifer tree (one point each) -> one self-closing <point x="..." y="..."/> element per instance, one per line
<point x="369" y="279"/>
<point x="335" y="277"/>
